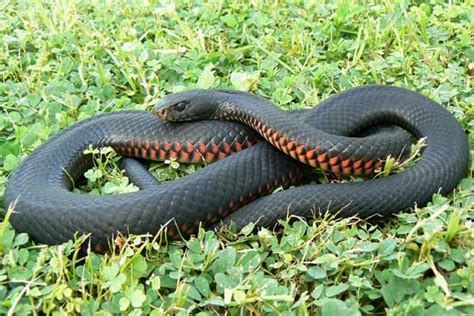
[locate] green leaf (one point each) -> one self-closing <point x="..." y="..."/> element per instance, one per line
<point x="7" y="238"/>
<point x="335" y="290"/>
<point x="23" y="256"/>
<point x="155" y="283"/>
<point x="328" y="259"/>
<point x="335" y="307"/>
<point x="139" y="266"/>
<point x="15" y="116"/>
<point x="202" y="284"/>
<point x="111" y="271"/>
<point x="117" y="282"/>
<point x="250" y="261"/>
<point x="225" y="260"/>
<point x="20" y="239"/>
<point x="194" y="245"/>
<point x="248" y="229"/>
<point x="136" y="297"/>
<point x="244" y="81"/>
<point x="447" y="264"/>
<point x="229" y="20"/>
<point x="143" y="56"/>
<point x="240" y="296"/>
<point x="124" y="304"/>
<point x="33" y="100"/>
<point x="387" y="246"/>
<point x="225" y="281"/>
<point x="215" y="301"/>
<point x="92" y="175"/>
<point x="192" y="292"/>
<point x="10" y="163"/>
<point x="110" y="188"/>
<point x="206" y="79"/>
<point x="396" y="289"/>
<point x="316" y="273"/>
<point x="316" y="293"/>
<point x="89" y="308"/>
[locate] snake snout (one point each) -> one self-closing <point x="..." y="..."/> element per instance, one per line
<point x="161" y="113"/>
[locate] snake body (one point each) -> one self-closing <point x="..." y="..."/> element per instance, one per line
<point x="232" y="188"/>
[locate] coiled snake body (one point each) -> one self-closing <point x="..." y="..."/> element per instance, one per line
<point x="231" y="188"/>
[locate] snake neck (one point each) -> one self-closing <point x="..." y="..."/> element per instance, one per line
<point x="245" y="108"/>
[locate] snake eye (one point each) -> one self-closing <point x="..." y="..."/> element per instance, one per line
<point x="180" y="106"/>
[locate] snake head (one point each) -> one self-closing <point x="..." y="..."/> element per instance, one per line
<point x="189" y="105"/>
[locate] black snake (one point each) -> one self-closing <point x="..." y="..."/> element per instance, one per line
<point x="342" y="135"/>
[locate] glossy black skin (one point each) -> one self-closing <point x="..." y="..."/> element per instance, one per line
<point x="50" y="213"/>
<point x="445" y="160"/>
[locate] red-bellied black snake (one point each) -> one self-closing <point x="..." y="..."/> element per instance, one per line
<point x="232" y="188"/>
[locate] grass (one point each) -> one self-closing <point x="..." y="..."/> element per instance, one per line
<point x="63" y="61"/>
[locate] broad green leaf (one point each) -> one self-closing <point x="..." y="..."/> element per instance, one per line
<point x="206" y="79"/>
<point x="10" y="163"/>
